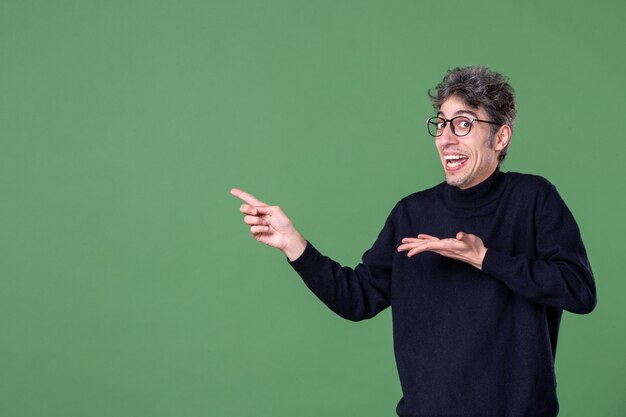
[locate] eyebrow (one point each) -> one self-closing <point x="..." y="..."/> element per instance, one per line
<point x="460" y="112"/>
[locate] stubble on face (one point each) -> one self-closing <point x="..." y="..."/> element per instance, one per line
<point x="467" y="160"/>
<point x="468" y="178"/>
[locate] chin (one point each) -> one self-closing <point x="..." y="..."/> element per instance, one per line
<point x="460" y="182"/>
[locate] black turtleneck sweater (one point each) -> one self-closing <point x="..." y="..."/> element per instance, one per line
<point x="470" y="342"/>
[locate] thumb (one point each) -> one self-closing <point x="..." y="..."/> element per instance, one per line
<point x="265" y="209"/>
<point x="461" y="236"/>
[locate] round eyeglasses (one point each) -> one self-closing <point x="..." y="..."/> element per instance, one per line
<point x="460" y="125"/>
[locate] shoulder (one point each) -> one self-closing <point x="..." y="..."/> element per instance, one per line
<point x="528" y="183"/>
<point x="417" y="202"/>
<point x="417" y="199"/>
<point x="535" y="190"/>
<point x="421" y="196"/>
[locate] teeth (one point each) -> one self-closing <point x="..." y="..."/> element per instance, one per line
<point x="450" y="157"/>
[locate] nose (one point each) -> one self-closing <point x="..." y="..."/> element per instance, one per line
<point x="447" y="137"/>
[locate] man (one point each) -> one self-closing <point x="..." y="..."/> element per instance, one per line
<point x="477" y="269"/>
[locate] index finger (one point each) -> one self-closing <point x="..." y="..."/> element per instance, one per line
<point x="248" y="198"/>
<point x="425" y="236"/>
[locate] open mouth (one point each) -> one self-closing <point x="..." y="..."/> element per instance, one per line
<point x="455" y="161"/>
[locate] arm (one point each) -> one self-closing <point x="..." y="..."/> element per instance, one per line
<point x="559" y="273"/>
<point x="354" y="294"/>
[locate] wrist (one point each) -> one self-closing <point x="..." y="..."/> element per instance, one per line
<point x="295" y="247"/>
<point x="481" y="258"/>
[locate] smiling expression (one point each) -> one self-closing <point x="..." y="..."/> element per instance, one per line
<point x="469" y="160"/>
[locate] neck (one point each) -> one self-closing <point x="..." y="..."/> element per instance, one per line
<point x="478" y="195"/>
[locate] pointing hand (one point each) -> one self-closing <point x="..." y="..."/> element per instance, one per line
<point x="270" y="225"/>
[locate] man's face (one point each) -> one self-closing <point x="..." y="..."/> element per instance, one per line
<point x="467" y="160"/>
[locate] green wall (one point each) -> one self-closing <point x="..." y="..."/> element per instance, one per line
<point x="129" y="285"/>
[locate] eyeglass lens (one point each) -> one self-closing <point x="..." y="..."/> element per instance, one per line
<point x="460" y="125"/>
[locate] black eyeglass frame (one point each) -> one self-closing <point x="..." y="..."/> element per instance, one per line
<point x="432" y="121"/>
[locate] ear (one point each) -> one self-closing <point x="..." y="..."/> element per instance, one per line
<point x="503" y="137"/>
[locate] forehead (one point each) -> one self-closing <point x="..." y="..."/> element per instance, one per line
<point x="455" y="106"/>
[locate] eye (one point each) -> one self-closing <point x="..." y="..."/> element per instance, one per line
<point x="441" y="125"/>
<point x="464" y="124"/>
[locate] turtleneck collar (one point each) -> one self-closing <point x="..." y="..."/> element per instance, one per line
<point x="477" y="196"/>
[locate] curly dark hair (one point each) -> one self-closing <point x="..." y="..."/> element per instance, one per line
<point x="478" y="86"/>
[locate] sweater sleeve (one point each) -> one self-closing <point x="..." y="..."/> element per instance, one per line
<point x="353" y="293"/>
<point x="559" y="275"/>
